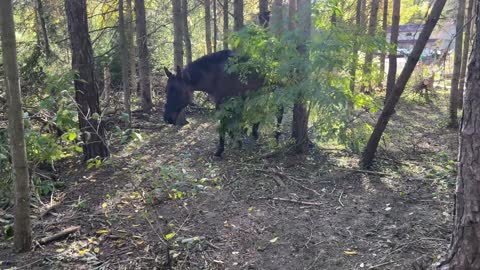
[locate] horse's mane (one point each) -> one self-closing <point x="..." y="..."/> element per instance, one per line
<point x="194" y="71"/>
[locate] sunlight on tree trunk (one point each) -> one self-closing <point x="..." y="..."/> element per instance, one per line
<point x="131" y="47"/>
<point x="463" y="251"/>
<point x="237" y="15"/>
<point x="177" y="34"/>
<point x="43" y="26"/>
<point x="465" y="52"/>
<point x="353" y="67"/>
<point x="383" y="56"/>
<point x="225" y="24"/>
<point x="389" y="108"/>
<point x="392" y="57"/>
<point x="22" y="240"/>
<point x="457" y="64"/>
<point x="208" y="28"/>
<point x="86" y="94"/>
<point x="127" y="90"/>
<point x="186" y="32"/>
<point x="372" y="29"/>
<point x="143" y="56"/>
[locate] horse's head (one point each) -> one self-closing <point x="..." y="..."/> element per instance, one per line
<point x="179" y="96"/>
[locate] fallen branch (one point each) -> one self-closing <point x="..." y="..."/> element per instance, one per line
<point x="49" y="208"/>
<point x="59" y="235"/>
<point x="293" y="201"/>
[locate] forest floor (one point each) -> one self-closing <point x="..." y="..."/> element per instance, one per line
<point x="164" y="202"/>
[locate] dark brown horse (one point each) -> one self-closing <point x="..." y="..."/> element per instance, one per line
<point x="206" y="74"/>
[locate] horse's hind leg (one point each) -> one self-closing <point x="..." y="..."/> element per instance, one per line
<point x="280" y="113"/>
<point x="221" y="144"/>
<point x="255" y="134"/>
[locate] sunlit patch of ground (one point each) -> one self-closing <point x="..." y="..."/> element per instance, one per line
<point x="165" y="202"/>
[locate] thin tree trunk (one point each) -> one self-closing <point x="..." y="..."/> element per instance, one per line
<point x="277" y="17"/>
<point x="225" y="24"/>
<point x="22" y="240"/>
<point x="177" y="33"/>
<point x="463" y="252"/>
<point x="358" y="24"/>
<point x="392" y="57"/>
<point x="372" y="29"/>
<point x="86" y="94"/>
<point x="143" y="56"/>
<point x="384" y="29"/>
<point x="107" y="87"/>
<point x="43" y="26"/>
<point x="131" y="46"/>
<point x="292" y="14"/>
<point x="263" y="13"/>
<point x="465" y="51"/>
<point x="300" y="112"/>
<point x="186" y="32"/>
<point x="457" y="64"/>
<point x="394" y="97"/>
<point x="125" y="61"/>
<point x="215" y="26"/>
<point x="237" y="15"/>
<point x="208" y="26"/>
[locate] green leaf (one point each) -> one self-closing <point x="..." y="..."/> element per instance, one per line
<point x="170" y="236"/>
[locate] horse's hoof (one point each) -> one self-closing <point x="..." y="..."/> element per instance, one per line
<point x="219" y="153"/>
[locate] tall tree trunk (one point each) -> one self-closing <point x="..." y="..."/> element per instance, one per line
<point x="465" y="51"/>
<point x="277" y="17"/>
<point x="186" y="32"/>
<point x="358" y="24"/>
<point x="263" y="13"/>
<point x="125" y="55"/>
<point x="43" y="26"/>
<point x="300" y="112"/>
<point x="463" y="252"/>
<point x="394" y="97"/>
<point x="131" y="46"/>
<point x="215" y="26"/>
<point x="384" y="29"/>
<point x="86" y="93"/>
<point x="225" y="24"/>
<point x="107" y="87"/>
<point x="22" y="240"/>
<point x="372" y="29"/>
<point x="292" y="14"/>
<point x="208" y="26"/>
<point x="237" y="15"/>
<point x="143" y="56"/>
<point x="392" y="57"/>
<point x="457" y="64"/>
<point x="177" y="33"/>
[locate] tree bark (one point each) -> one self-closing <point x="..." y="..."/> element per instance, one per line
<point x="43" y="26"/>
<point x="389" y="108"/>
<point x="277" y="17"/>
<point x="86" y="94"/>
<point x="208" y="26"/>
<point x="372" y="29"/>
<point x="300" y="112"/>
<point x="143" y="56"/>
<point x="457" y="64"/>
<point x="22" y="240"/>
<point x="358" y="24"/>
<point x="225" y="24"/>
<point x="237" y="15"/>
<point x="392" y="57"/>
<point x="177" y="34"/>
<point x="463" y="253"/>
<point x="263" y="13"/>
<point x="131" y="46"/>
<point x="215" y="26"/>
<point x="292" y="14"/>
<point x="465" y="51"/>
<point x="125" y="55"/>
<point x="186" y="32"/>
<point x="384" y="29"/>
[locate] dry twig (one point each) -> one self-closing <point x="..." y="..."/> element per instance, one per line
<point x="59" y="235"/>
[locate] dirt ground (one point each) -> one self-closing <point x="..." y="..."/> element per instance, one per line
<point x="164" y="202"/>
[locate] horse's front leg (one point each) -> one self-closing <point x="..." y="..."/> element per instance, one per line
<point x="280" y="112"/>
<point x="221" y="143"/>
<point x="255" y="133"/>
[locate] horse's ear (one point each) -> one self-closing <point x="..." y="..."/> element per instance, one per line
<point x="167" y="72"/>
<point x="179" y="72"/>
